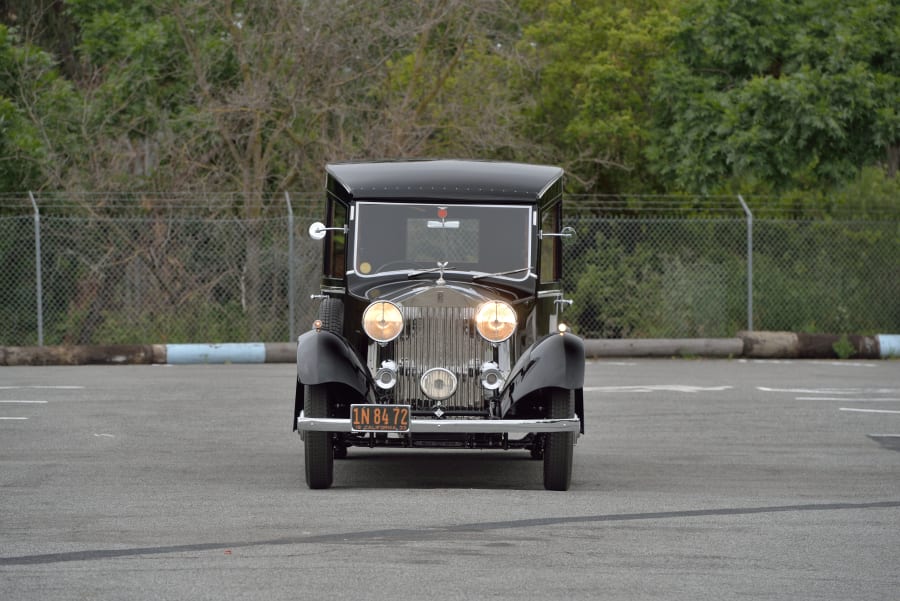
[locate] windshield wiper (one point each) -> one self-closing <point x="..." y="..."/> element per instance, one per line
<point x="510" y="272"/>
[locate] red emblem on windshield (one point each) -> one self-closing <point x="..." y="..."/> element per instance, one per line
<point x="442" y="212"/>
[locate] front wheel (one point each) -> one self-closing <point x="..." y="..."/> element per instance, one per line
<point x="558" y="446"/>
<point x="318" y="446"/>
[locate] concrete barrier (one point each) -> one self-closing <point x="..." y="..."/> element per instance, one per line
<point x="119" y="354"/>
<point x="665" y="347"/>
<point x="790" y="345"/>
<point x="758" y="345"/>
<point x="181" y="354"/>
<point x="889" y="345"/>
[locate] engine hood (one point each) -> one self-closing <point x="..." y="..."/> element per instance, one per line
<point x="449" y="294"/>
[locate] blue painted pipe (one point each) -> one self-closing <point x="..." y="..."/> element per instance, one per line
<point x="232" y="352"/>
<point x="889" y="345"/>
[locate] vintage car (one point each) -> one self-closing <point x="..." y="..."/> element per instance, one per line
<point x="440" y="318"/>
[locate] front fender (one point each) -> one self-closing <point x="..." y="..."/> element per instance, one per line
<point x="325" y="358"/>
<point x="555" y="361"/>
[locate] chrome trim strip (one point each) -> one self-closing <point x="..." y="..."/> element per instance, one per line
<point x="456" y="426"/>
<point x="431" y="203"/>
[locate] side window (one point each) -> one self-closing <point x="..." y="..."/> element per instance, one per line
<point x="551" y="247"/>
<point x="336" y="250"/>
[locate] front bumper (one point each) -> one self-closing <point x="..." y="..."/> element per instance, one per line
<point x="453" y="426"/>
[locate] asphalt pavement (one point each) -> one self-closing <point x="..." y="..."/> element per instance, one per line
<point x="696" y="479"/>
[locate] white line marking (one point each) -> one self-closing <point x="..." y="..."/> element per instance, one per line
<point x="42" y="387"/>
<point x="846" y="400"/>
<point x="25" y="402"/>
<point x="807" y="362"/>
<point x="104" y="435"/>
<point x="870" y="410"/>
<point x="831" y="390"/>
<point x="13" y="418"/>
<point x="658" y="388"/>
<point x="601" y="363"/>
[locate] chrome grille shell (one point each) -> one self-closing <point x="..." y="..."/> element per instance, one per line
<point x="441" y="337"/>
<point x="439" y="331"/>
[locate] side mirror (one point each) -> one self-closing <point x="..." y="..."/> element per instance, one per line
<point x="317" y="230"/>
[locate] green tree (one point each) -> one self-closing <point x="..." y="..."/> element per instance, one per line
<point x="591" y="86"/>
<point x="779" y="93"/>
<point x="229" y="96"/>
<point x="34" y="109"/>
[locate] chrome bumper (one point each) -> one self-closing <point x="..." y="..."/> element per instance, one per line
<point x="453" y="426"/>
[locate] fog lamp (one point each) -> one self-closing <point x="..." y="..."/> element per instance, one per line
<point x="491" y="378"/>
<point x="386" y="376"/>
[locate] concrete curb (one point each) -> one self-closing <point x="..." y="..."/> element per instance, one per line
<point x="665" y="347"/>
<point x="756" y="345"/>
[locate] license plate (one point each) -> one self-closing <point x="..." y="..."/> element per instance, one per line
<point x="379" y="418"/>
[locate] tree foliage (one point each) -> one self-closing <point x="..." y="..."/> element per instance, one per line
<point x="637" y="96"/>
<point x="779" y="93"/>
<point x="593" y="64"/>
<point x="34" y="105"/>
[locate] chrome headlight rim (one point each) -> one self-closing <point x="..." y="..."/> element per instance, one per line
<point x="503" y="325"/>
<point x="388" y="327"/>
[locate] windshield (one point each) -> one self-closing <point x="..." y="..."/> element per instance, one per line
<point x="468" y="238"/>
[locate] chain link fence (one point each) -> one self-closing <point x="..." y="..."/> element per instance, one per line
<point x="165" y="270"/>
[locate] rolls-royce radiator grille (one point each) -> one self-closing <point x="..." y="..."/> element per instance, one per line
<point x="440" y="337"/>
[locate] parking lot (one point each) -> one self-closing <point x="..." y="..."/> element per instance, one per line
<point x="696" y="479"/>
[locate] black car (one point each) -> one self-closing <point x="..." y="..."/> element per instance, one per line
<point x="440" y="318"/>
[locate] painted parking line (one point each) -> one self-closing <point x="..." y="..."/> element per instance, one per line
<point x="808" y="362"/>
<point x="24" y="402"/>
<point x="41" y="387"/>
<point x="830" y="391"/>
<point x="851" y="395"/>
<point x="846" y="400"/>
<point x="658" y="388"/>
<point x="18" y="402"/>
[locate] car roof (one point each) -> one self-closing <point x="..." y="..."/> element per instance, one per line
<point x="443" y="179"/>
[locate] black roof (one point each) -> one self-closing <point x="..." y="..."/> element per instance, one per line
<point x="442" y="179"/>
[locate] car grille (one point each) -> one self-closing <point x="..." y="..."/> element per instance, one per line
<point x="441" y="337"/>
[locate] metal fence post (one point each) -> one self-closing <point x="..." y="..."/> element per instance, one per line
<point x="291" y="291"/>
<point x="37" y="267"/>
<point x="749" y="262"/>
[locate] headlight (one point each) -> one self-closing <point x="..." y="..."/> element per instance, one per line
<point x="496" y="321"/>
<point x="382" y="321"/>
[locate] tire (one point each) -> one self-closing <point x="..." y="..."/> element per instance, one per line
<point x="558" y="446"/>
<point x="331" y="314"/>
<point x="318" y="446"/>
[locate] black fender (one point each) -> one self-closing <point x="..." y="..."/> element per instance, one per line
<point x="326" y="358"/>
<point x="554" y="361"/>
